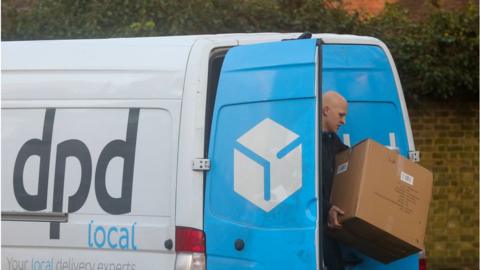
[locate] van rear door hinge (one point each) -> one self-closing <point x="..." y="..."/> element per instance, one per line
<point x="201" y="164"/>
<point x="414" y="156"/>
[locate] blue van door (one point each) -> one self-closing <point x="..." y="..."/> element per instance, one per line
<point x="260" y="198"/>
<point x="364" y="76"/>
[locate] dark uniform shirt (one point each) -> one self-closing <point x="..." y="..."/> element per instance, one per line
<point x="332" y="145"/>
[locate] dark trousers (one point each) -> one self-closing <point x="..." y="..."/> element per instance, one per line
<point x="332" y="254"/>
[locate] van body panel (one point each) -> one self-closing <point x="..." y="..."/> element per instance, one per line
<point x="362" y="74"/>
<point x="260" y="200"/>
<point x="137" y="178"/>
<point x="190" y="184"/>
<point x="60" y="258"/>
<point x="362" y="40"/>
<point x="87" y="94"/>
<point x="92" y="84"/>
<point x="98" y="54"/>
<point x="93" y="69"/>
<point x="410" y="262"/>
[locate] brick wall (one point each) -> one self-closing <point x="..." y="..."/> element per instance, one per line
<point x="446" y="134"/>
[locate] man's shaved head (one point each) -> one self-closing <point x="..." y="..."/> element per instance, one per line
<point x="332" y="98"/>
<point x="334" y="111"/>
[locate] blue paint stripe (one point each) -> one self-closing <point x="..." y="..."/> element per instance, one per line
<point x="266" y="187"/>
<point x="263" y="162"/>
<point x="287" y="149"/>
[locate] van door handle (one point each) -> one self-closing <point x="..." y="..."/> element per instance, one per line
<point x="35" y="216"/>
<point x="239" y="244"/>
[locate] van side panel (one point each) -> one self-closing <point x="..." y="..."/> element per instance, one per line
<point x="190" y="183"/>
<point x="110" y="169"/>
<point x="91" y="133"/>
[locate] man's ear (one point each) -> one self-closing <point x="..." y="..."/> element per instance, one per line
<point x="325" y="110"/>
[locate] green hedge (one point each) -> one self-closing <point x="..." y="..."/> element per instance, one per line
<point x="436" y="57"/>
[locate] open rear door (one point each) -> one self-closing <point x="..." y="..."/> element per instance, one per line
<point x="260" y="196"/>
<point x="364" y="76"/>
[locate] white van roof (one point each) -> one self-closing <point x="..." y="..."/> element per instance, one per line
<point x="146" y="53"/>
<point x="152" y="67"/>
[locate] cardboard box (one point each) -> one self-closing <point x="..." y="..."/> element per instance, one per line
<point x="385" y="198"/>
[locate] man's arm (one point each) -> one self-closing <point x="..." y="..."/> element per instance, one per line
<point x="334" y="212"/>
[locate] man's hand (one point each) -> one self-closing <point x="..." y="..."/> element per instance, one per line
<point x="333" y="215"/>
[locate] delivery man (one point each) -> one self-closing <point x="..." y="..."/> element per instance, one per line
<point x="334" y="111"/>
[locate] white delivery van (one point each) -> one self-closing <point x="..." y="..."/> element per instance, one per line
<point x="187" y="152"/>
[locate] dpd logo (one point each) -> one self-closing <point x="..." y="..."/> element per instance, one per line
<point x="74" y="148"/>
<point x="267" y="164"/>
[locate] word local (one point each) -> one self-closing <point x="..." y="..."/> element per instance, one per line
<point x="114" y="237"/>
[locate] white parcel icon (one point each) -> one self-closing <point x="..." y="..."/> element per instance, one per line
<point x="264" y="173"/>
